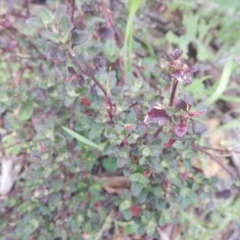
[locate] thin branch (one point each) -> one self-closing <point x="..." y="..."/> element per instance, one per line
<point x="174" y="88"/>
<point x="75" y="60"/>
<point x="221" y="151"/>
<point x="73" y="9"/>
<point x="200" y="149"/>
<point x="159" y="130"/>
<point x="27" y="3"/>
<point x="89" y="73"/>
<point x="71" y="120"/>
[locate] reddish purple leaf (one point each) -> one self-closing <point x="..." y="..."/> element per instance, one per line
<point x="12" y="44"/>
<point x="5" y="22"/>
<point x="157" y="115"/>
<point x="72" y="71"/>
<point x="198" y="127"/>
<point x="181" y="129"/>
<point x="188" y="98"/>
<point x="181" y="105"/>
<point x="79" y="37"/>
<point x="99" y="64"/>
<point x="169" y="143"/>
<point x="166" y="77"/>
<point x="136" y="211"/>
<point x="176" y="54"/>
<point x="87" y="8"/>
<point x="81" y="80"/>
<point x="105" y="33"/>
<point x="114" y="5"/>
<point x="193" y="69"/>
<point x="225" y="194"/>
<point x="182" y="76"/>
<point x="72" y="74"/>
<point x="210" y="205"/>
<point x="41" y="94"/>
<point x="195" y="114"/>
<point x="184" y="175"/>
<point x="55" y="54"/>
<point x="76" y="83"/>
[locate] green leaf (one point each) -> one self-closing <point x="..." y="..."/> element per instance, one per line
<point x="146" y="152"/>
<point x="110" y="164"/>
<point x="127" y="214"/>
<point x="136" y="188"/>
<point x="124" y="205"/>
<point x="46" y="16"/>
<point x="230" y="98"/>
<point x="185" y="202"/>
<point x="132" y="117"/>
<point x="162" y="221"/>
<point x="9" y="140"/>
<point x="26" y="111"/>
<point x="65" y="28"/>
<point x="62" y="157"/>
<point x="222" y="84"/>
<point x="138" y="177"/>
<point x="121" y="162"/>
<point x="75" y="225"/>
<point x="143" y="196"/>
<point x="51" y="36"/>
<point x="60" y="11"/>
<point x="81" y="138"/>
<point x="79" y="37"/>
<point x="160" y="204"/>
<point x="35" y="22"/>
<point x="26" y="29"/>
<point x="151" y="227"/>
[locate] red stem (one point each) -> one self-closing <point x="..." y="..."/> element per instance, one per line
<point x="174" y="88"/>
<point x="91" y="75"/>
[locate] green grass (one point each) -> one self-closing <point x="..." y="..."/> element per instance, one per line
<point x="133" y="7"/>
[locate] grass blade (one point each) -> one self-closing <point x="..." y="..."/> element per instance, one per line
<point x="222" y="84"/>
<point x="134" y="5"/>
<point x="81" y="138"/>
<point x="227" y="98"/>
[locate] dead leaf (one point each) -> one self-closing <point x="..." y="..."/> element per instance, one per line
<point x="115" y="184"/>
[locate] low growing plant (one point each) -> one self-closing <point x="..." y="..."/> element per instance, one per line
<point x="150" y="133"/>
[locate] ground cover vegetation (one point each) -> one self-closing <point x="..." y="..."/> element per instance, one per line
<point x="105" y="109"/>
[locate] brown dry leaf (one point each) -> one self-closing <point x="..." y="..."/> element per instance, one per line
<point x="115" y="184"/>
<point x="16" y="112"/>
<point x="214" y="169"/>
<point x="217" y="139"/>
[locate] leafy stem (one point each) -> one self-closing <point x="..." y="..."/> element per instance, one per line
<point x="90" y="74"/>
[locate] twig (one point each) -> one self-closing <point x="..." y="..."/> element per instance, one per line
<point x="73" y="9"/>
<point x="18" y="15"/>
<point x="157" y="132"/>
<point x="200" y="149"/>
<point x="221" y="151"/>
<point x="27" y="2"/>
<point x="174" y="88"/>
<point x="71" y="120"/>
